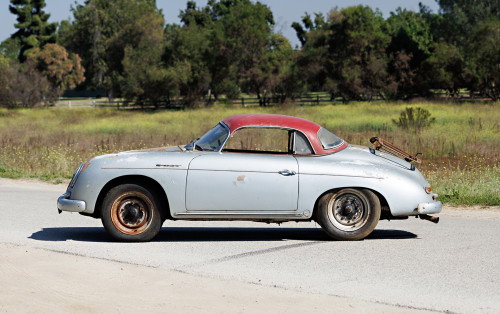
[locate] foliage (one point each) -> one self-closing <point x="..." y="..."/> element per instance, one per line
<point x="444" y="68"/>
<point x="144" y="77"/>
<point x="185" y="56"/>
<point x="10" y="48"/>
<point x="228" y="47"/>
<point x="237" y="45"/>
<point x="107" y="33"/>
<point x="486" y="60"/>
<point x="414" y="119"/>
<point x="346" y="53"/>
<point x="410" y="45"/>
<point x="33" y="29"/>
<point x="63" y="70"/>
<point x="23" y="85"/>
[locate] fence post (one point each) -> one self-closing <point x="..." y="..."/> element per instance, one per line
<point x="118" y="105"/>
<point x="242" y="102"/>
<point x="69" y="104"/>
<point x="317" y="100"/>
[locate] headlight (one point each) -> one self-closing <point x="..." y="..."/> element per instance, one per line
<point x="75" y="175"/>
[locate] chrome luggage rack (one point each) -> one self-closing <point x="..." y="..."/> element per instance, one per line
<point x="380" y="144"/>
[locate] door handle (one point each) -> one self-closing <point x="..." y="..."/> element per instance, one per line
<point x="287" y="173"/>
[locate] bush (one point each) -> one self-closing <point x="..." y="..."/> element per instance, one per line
<point x="414" y="119"/>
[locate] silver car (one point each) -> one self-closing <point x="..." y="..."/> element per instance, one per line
<point x="256" y="167"/>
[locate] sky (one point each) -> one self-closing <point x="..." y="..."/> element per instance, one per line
<point x="285" y="11"/>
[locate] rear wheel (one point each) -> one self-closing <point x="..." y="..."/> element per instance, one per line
<point x="349" y="214"/>
<point x="130" y="213"/>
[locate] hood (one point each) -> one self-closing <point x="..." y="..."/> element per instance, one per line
<point x="152" y="158"/>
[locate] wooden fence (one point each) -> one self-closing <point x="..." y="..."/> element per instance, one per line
<point x="242" y="101"/>
<point x="178" y="104"/>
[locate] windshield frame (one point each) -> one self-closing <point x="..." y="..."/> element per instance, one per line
<point x="219" y="149"/>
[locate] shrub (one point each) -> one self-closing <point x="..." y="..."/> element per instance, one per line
<point x="414" y="119"/>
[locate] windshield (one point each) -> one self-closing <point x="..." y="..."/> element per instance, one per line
<point x="213" y="139"/>
<point x="328" y="139"/>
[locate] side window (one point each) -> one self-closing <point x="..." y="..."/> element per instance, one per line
<point x="302" y="146"/>
<point x="258" y="140"/>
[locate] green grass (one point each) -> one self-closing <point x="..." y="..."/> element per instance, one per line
<point x="468" y="187"/>
<point x="460" y="149"/>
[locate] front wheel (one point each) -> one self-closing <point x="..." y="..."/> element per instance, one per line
<point x="130" y="213"/>
<point x="349" y="214"/>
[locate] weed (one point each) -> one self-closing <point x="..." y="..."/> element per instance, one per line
<point x="414" y="119"/>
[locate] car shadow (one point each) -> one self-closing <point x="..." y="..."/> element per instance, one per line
<point x="209" y="234"/>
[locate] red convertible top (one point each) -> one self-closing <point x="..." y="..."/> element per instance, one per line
<point x="309" y="128"/>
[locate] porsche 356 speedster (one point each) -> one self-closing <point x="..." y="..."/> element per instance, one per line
<point x="256" y="167"/>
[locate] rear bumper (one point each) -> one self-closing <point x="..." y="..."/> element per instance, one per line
<point x="429" y="208"/>
<point x="65" y="204"/>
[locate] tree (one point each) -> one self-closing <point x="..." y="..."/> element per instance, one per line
<point x="10" y="48"/>
<point x="237" y="32"/>
<point x="464" y="15"/>
<point x="34" y="31"/>
<point x="468" y="26"/>
<point x="144" y="73"/>
<point x="445" y="68"/>
<point x="312" y="59"/>
<point x="4" y="79"/>
<point x="185" y="55"/>
<point x="411" y="40"/>
<point x="22" y="85"/>
<point x="273" y="74"/>
<point x="309" y="25"/>
<point x="63" y="70"/>
<point x="486" y="60"/>
<point x="346" y="54"/>
<point x="107" y="33"/>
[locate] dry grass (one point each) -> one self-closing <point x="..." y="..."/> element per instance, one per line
<point x="460" y="149"/>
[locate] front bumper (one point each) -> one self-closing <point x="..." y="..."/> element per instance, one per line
<point x="65" y="204"/>
<point x="429" y="208"/>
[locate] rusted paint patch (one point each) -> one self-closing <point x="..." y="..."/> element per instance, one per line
<point x="241" y="178"/>
<point x="85" y="166"/>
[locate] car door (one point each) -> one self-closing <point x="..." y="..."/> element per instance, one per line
<point x="243" y="180"/>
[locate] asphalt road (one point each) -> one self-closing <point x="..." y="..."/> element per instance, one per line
<point x="452" y="266"/>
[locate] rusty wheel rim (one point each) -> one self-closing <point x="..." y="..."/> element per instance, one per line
<point x="132" y="213"/>
<point x="348" y="211"/>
